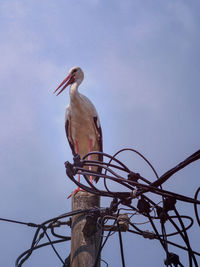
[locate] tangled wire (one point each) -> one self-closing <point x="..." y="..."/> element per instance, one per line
<point x="136" y="187"/>
<point x="124" y="206"/>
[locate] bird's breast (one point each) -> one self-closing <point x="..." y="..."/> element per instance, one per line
<point x="82" y="125"/>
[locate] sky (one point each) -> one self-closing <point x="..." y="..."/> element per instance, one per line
<point x="141" y="64"/>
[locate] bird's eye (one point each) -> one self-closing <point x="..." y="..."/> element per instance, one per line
<point x="74" y="71"/>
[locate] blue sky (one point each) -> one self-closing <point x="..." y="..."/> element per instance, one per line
<point x="141" y="64"/>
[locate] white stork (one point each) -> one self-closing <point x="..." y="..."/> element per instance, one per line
<point x="82" y="123"/>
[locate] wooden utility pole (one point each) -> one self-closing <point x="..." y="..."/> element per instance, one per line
<point x="84" y="241"/>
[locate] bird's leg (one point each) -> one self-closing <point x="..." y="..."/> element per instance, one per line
<point x="90" y="150"/>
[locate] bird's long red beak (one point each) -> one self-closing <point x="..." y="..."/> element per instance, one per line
<point x="68" y="80"/>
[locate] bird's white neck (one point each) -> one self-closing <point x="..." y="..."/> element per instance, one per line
<point x="74" y="90"/>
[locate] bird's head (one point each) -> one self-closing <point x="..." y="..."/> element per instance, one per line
<point x="75" y="75"/>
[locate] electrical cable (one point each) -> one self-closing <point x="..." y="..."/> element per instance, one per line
<point x="121" y="245"/>
<point x="195" y="206"/>
<point x="132" y="200"/>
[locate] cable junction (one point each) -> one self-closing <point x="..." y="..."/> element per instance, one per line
<point x="134" y="199"/>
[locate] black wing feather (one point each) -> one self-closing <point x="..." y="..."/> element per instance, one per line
<point x="100" y="142"/>
<point x="67" y="134"/>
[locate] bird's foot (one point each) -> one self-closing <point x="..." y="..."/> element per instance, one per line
<point x="78" y="189"/>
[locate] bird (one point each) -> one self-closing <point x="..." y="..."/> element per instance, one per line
<point x="82" y="123"/>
